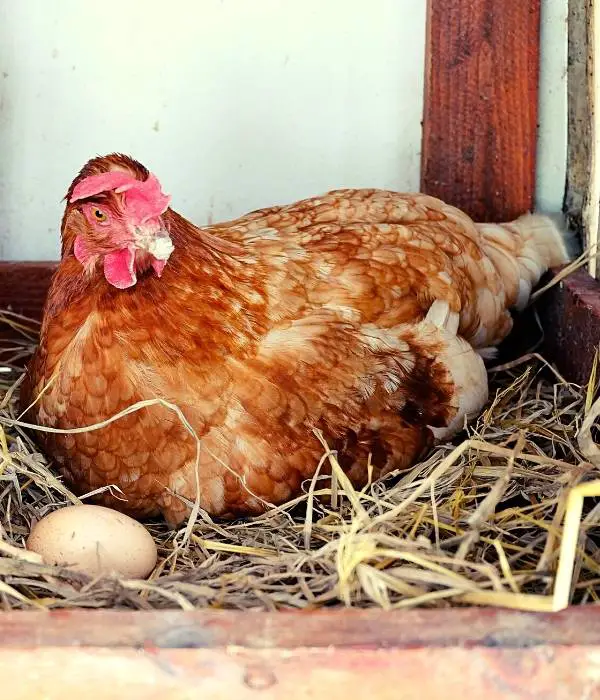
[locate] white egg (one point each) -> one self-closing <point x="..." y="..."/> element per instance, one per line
<point x="95" y="540"/>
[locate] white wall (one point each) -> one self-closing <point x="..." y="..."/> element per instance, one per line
<point x="552" y="134"/>
<point x="234" y="104"/>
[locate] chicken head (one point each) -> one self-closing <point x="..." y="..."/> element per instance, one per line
<point x="118" y="223"/>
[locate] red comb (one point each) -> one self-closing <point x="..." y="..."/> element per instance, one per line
<point x="144" y="200"/>
<point x="94" y="184"/>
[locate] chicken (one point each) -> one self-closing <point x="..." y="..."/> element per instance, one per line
<point x="364" y="314"/>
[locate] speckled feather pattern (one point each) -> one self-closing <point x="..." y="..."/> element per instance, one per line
<point x="312" y="315"/>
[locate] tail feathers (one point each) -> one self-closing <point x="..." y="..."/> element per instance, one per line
<point x="465" y="366"/>
<point x="524" y="249"/>
<point x="569" y="239"/>
<point x="546" y="237"/>
<point x="439" y="315"/>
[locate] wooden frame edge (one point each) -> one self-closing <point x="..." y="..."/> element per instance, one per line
<point x="256" y="630"/>
<point x="335" y="655"/>
<point x="24" y="286"/>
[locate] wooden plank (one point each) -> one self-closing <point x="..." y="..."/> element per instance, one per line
<point x="337" y="654"/>
<point x="570" y="316"/>
<point x="480" y="115"/>
<point x="24" y="286"/>
<point x="582" y="195"/>
<point x="322" y="629"/>
<point x="580" y="106"/>
<point x="411" y="674"/>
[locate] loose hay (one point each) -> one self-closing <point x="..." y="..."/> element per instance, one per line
<point x="479" y="522"/>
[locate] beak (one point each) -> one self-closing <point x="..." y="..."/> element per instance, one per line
<point x="156" y="242"/>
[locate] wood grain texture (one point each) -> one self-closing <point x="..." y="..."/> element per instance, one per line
<point x="580" y="112"/>
<point x="480" y="115"/>
<point x="337" y="654"/>
<point x="325" y="674"/>
<point x="341" y="628"/>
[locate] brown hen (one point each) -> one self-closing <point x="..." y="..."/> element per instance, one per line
<point x="362" y="313"/>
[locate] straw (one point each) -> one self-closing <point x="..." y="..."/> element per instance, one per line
<point x="502" y="516"/>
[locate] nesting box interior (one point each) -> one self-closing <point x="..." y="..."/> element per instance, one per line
<point x="461" y="573"/>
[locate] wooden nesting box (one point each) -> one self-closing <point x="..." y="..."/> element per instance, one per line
<point x="478" y="152"/>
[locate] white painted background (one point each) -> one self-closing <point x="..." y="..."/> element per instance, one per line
<point x="552" y="134"/>
<point x="234" y="104"/>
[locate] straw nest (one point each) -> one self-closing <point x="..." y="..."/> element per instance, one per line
<point x="495" y="518"/>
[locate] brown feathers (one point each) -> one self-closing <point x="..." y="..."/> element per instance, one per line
<point x="320" y="314"/>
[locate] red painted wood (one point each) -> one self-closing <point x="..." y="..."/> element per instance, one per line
<point x="24" y="285"/>
<point x="334" y="674"/>
<point x="480" y="116"/>
<point x="570" y="315"/>
<point x="336" y="655"/>
<point x="341" y="628"/>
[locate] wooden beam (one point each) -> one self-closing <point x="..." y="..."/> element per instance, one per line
<point x="293" y="629"/>
<point x="346" y="654"/>
<point x="570" y="316"/>
<point x="481" y="104"/>
<point x="580" y="105"/>
<point x="24" y="286"/>
<point x="583" y="173"/>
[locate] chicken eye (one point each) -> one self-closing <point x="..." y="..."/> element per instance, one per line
<point x="99" y="215"/>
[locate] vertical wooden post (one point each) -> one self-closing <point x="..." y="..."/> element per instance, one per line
<point x="583" y="176"/>
<point x="481" y="104"/>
